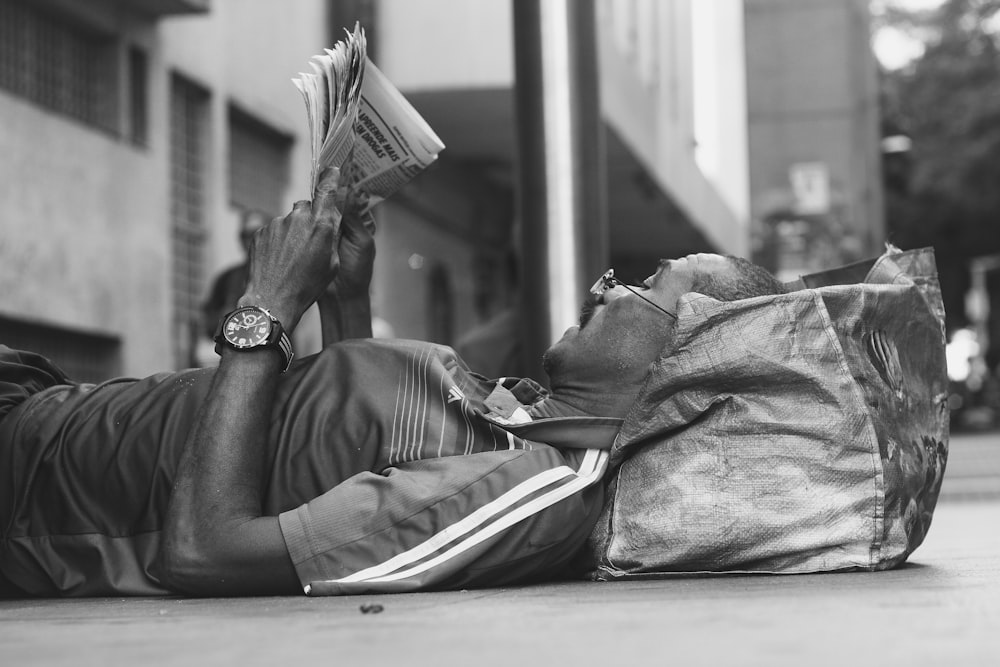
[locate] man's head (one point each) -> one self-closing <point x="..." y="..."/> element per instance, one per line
<point x="742" y="280"/>
<point x="621" y="334"/>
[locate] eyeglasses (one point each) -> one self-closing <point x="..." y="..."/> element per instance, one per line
<point x="608" y="280"/>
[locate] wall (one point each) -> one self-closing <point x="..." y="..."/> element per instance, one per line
<point x="83" y="228"/>
<point x="446" y="44"/>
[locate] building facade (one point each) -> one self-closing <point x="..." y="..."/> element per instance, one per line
<point x="135" y="135"/>
<point x="676" y="178"/>
<point x="814" y="134"/>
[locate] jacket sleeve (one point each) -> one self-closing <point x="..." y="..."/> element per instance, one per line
<point x="485" y="519"/>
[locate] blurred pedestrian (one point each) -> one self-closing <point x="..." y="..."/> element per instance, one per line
<point x="229" y="285"/>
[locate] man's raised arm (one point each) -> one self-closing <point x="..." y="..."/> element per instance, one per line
<point x="215" y="540"/>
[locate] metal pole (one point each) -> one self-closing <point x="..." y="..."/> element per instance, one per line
<point x="977" y="308"/>
<point x="562" y="196"/>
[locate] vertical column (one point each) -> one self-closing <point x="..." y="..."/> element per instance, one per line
<point x="561" y="177"/>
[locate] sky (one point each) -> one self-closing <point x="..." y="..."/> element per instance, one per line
<point x="894" y="48"/>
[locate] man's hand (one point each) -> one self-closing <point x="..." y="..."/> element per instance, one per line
<point x="293" y="259"/>
<point x="345" y="307"/>
<point x="356" y="250"/>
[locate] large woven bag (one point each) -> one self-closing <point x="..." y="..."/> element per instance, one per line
<point x="797" y="433"/>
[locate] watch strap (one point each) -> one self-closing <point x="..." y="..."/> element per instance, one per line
<point x="284" y="343"/>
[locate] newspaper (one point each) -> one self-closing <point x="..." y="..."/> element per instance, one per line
<point x="360" y="123"/>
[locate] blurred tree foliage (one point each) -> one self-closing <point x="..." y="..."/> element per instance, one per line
<point x="945" y="190"/>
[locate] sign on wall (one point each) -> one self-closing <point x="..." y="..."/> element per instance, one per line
<point x="810" y="187"/>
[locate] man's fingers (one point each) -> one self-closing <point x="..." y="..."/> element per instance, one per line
<point x="357" y="228"/>
<point x="324" y="199"/>
<point x="368" y="221"/>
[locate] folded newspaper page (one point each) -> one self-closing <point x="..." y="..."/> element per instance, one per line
<point x="362" y="124"/>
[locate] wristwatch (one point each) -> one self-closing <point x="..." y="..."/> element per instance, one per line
<point x="253" y="328"/>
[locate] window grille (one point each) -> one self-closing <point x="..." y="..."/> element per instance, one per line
<point x="84" y="357"/>
<point x="258" y="165"/>
<point x="59" y="65"/>
<point x="189" y="111"/>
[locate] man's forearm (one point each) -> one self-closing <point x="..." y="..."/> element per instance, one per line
<point x="344" y="319"/>
<point x="215" y="540"/>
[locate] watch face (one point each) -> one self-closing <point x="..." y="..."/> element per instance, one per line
<point x="248" y="327"/>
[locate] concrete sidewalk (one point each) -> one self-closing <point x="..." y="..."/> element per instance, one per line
<point x="942" y="608"/>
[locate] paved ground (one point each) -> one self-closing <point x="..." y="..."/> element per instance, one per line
<point x="973" y="471"/>
<point x="942" y="608"/>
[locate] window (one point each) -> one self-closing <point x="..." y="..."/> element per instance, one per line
<point x="345" y="13"/>
<point x="258" y="165"/>
<point x="189" y="109"/>
<point x="84" y="357"/>
<point x="59" y="65"/>
<point x="138" y="111"/>
<point x="440" y="309"/>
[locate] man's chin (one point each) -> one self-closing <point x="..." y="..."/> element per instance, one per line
<point x="549" y="361"/>
<point x="553" y="356"/>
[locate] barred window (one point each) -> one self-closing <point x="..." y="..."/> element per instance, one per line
<point x="189" y="112"/>
<point x="84" y="357"/>
<point x="59" y="65"/>
<point x="258" y="164"/>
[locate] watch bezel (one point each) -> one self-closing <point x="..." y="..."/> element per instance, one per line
<point x="277" y="338"/>
<point x="267" y="318"/>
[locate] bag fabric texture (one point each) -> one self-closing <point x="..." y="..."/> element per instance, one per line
<point x="803" y="432"/>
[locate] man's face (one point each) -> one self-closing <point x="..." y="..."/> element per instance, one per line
<point x="619" y="334"/>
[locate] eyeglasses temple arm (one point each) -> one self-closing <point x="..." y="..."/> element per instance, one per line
<point x="654" y="305"/>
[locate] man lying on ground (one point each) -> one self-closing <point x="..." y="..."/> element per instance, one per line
<point x="372" y="466"/>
